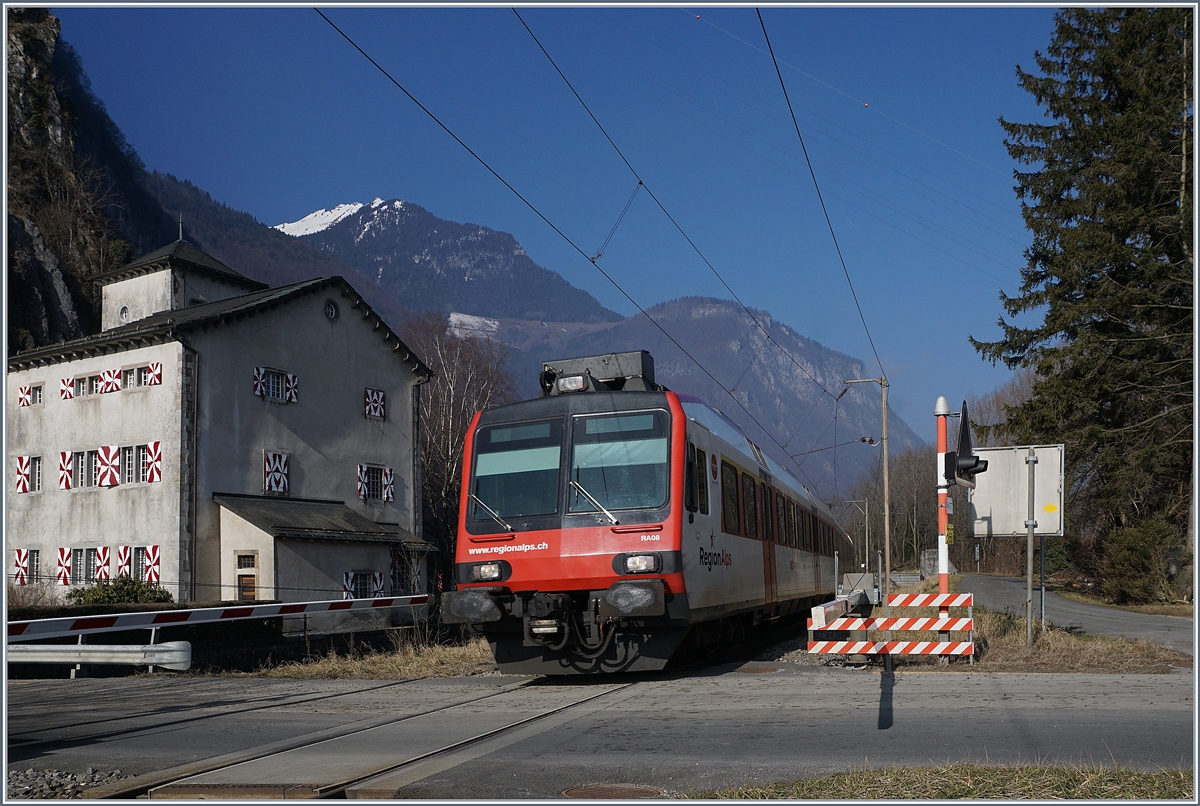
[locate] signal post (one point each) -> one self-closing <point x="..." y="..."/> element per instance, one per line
<point x="941" y="410"/>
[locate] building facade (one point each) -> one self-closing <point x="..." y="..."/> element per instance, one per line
<point x="221" y="438"/>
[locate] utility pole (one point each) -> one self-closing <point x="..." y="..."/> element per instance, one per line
<point x="866" y="502"/>
<point x="887" y="509"/>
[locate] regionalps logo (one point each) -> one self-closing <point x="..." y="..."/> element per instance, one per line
<point x="711" y="558"/>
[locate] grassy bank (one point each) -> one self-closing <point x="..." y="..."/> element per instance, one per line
<point x="407" y="660"/>
<point x="978" y="781"/>
<point x="1182" y="609"/>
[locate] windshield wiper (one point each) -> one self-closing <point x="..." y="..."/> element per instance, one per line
<point x="492" y="512"/>
<point x="595" y="503"/>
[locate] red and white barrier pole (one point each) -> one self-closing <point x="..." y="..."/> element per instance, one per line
<point x="941" y="410"/>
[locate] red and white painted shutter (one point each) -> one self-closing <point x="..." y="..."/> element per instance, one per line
<point x="63" y="572"/>
<point x="22" y="474"/>
<point x="377" y="584"/>
<point x="102" y="556"/>
<point x="109" y="459"/>
<point x="64" y="470"/>
<point x="152" y="571"/>
<point x="348" y="585"/>
<point x="362" y="482"/>
<point x="389" y="484"/>
<point x="110" y="381"/>
<point x="154" y="461"/>
<point x="275" y="472"/>
<point x="66" y="388"/>
<point x="21" y="569"/>
<point x="260" y="381"/>
<point x="24" y="396"/>
<point x="124" y="561"/>
<point x="154" y="373"/>
<point x="374" y="402"/>
<point x="291" y="387"/>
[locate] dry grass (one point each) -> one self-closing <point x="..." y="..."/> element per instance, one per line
<point x="977" y="781"/>
<point x="1183" y="609"/>
<point x="409" y="660"/>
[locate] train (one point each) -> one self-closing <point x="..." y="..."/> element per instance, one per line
<point x="612" y="525"/>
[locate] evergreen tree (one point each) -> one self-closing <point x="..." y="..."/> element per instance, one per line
<point x="1108" y="199"/>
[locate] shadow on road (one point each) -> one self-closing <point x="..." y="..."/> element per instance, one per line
<point x="887" y="682"/>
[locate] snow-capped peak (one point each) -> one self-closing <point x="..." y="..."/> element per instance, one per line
<point x="320" y="220"/>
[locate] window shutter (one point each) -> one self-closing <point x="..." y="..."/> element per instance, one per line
<point x="152" y="571"/>
<point x="377" y="584"/>
<point x="66" y="388"/>
<point x="291" y="388"/>
<point x="154" y="374"/>
<point x="21" y="569"/>
<point x="124" y="560"/>
<point x="25" y="396"/>
<point x="348" y="585"/>
<point x="110" y="381"/>
<point x="389" y="487"/>
<point x="260" y="381"/>
<point x="22" y="474"/>
<point x="275" y="472"/>
<point x="362" y="482"/>
<point x="64" y="566"/>
<point x="154" y="461"/>
<point x="102" y="555"/>
<point x="374" y="403"/>
<point x="109" y="473"/>
<point x="64" y="470"/>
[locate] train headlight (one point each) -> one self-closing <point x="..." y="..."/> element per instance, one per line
<point x="485" y="572"/>
<point x="643" y="563"/>
<point x="570" y="383"/>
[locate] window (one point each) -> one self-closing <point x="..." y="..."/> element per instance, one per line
<point x="792" y="527"/>
<point x="77" y="566"/>
<point x="781" y="530"/>
<point x="129" y="378"/>
<point x="362" y="584"/>
<point x="85" y="469"/>
<point x="35" y="395"/>
<point x="93" y="385"/>
<point x="516" y="470"/>
<point x="731" y="519"/>
<point x="273" y="385"/>
<point x="35" y="474"/>
<point x="128" y="469"/>
<point x="768" y="531"/>
<point x="143" y="462"/>
<point x="139" y="563"/>
<point x="246" y="561"/>
<point x="89" y="565"/>
<point x="702" y="481"/>
<point x="331" y="310"/>
<point x="620" y="460"/>
<point x="375" y="483"/>
<point x="750" y="503"/>
<point x="35" y="565"/>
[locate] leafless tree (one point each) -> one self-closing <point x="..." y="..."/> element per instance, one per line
<point x="470" y="375"/>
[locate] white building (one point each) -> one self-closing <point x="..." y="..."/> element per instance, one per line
<point x="222" y="438"/>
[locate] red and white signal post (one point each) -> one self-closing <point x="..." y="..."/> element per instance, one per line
<point x="941" y="410"/>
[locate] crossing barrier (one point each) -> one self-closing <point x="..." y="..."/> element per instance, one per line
<point x="938" y="624"/>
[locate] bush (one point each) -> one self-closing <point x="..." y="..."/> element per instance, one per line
<point x="1135" y="560"/>
<point x="124" y="590"/>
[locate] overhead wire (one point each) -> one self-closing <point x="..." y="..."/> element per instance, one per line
<point x="555" y="228"/>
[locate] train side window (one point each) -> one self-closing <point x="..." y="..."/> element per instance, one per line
<point x="689" y="480"/>
<point x="731" y="517"/>
<point x="702" y="481"/>
<point x="781" y="531"/>
<point x="791" y="520"/>
<point x="750" y="504"/>
<point x="768" y="524"/>
<point x="810" y="535"/>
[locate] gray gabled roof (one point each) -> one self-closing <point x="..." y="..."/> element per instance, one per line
<point x="183" y="255"/>
<point x="314" y="519"/>
<point x="171" y="325"/>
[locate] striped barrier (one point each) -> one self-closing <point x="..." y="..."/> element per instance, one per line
<point x="891" y="647"/>
<point x="942" y="623"/>
<point x="87" y="625"/>
<point x="939" y="624"/>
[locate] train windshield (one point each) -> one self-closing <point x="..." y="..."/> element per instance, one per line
<point x="620" y="460"/>
<point x="517" y="470"/>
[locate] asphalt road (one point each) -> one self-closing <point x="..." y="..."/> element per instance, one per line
<point x="715" y="728"/>
<point x="1008" y="593"/>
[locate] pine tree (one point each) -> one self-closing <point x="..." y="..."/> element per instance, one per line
<point x="1108" y="199"/>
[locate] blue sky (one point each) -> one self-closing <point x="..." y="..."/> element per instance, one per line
<point x="272" y="112"/>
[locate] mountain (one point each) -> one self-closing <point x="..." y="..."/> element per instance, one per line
<point x="448" y="266"/>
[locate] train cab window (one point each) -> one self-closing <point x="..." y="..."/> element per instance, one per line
<point x="516" y="470"/>
<point x="750" y="504"/>
<point x="620" y="460"/>
<point x="781" y="532"/>
<point x="702" y="481"/>
<point x="731" y="516"/>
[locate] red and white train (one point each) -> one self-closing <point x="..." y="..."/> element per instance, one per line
<point x="611" y="523"/>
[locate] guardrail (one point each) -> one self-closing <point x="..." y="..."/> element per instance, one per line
<point x="175" y="655"/>
<point x="152" y="620"/>
<point x="940" y="624"/>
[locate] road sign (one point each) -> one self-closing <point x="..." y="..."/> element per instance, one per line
<point x="1000" y="502"/>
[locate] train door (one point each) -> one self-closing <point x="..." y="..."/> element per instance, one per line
<point x="770" y="582"/>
